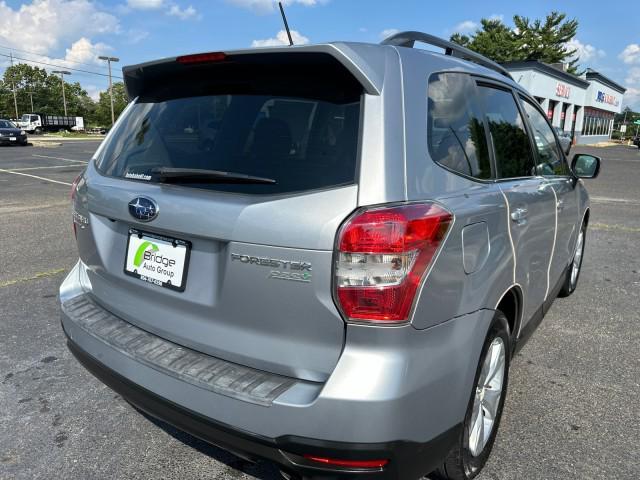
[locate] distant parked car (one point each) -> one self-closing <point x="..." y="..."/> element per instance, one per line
<point x="564" y="138"/>
<point x="10" y="134"/>
<point x="636" y="141"/>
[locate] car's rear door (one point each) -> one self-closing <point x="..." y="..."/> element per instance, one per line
<point x="530" y="201"/>
<point x="552" y="165"/>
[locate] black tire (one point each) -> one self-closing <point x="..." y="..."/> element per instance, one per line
<point x="38" y="131"/>
<point x="460" y="463"/>
<point x="569" y="287"/>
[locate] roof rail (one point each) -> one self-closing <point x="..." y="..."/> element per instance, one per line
<point x="408" y="39"/>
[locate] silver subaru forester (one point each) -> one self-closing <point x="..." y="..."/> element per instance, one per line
<point x="324" y="255"/>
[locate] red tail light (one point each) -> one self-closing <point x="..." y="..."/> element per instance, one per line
<point x="74" y="187"/>
<point x="383" y="254"/>
<point x="202" y="58"/>
<point x="348" y="463"/>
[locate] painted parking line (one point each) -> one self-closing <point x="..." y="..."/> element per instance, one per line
<point x="36" y="276"/>
<point x="625" y="201"/>
<point x="59" y="158"/>
<point x="26" y="169"/>
<point x="2" y="170"/>
<point x="19" y="208"/>
<point x="619" y="228"/>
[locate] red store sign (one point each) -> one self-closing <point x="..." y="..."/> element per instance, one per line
<point x="563" y="90"/>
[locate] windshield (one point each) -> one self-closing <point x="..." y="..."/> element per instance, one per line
<point x="302" y="143"/>
<point x="6" y="124"/>
<point x="25" y="117"/>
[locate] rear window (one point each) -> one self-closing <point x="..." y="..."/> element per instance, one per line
<point x="304" y="140"/>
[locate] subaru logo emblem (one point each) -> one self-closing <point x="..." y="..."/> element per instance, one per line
<point x="143" y="208"/>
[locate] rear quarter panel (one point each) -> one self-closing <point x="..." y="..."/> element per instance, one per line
<point x="448" y="290"/>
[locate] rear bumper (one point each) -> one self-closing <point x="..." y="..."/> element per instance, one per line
<point x="407" y="459"/>
<point x="397" y="393"/>
<point x="19" y="139"/>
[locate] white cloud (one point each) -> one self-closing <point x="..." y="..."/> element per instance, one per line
<point x="145" y="4"/>
<point x="632" y="98"/>
<point x="468" y="26"/>
<point x="281" y="39"/>
<point x="388" y="32"/>
<point x="633" y="76"/>
<point x="583" y="51"/>
<point x="182" y="13"/>
<point x="268" y="6"/>
<point x="83" y="51"/>
<point x="43" y="25"/>
<point x="630" y="54"/>
<point x="93" y="91"/>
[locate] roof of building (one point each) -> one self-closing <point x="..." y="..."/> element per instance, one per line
<point x="548" y="69"/>
<point x="593" y="75"/>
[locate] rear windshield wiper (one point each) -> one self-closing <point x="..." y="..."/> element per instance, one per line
<point x="196" y="175"/>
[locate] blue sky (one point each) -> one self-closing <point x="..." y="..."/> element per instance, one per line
<point x="73" y="33"/>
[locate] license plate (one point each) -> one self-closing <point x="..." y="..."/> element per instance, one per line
<point x="155" y="259"/>
<point x="12" y="139"/>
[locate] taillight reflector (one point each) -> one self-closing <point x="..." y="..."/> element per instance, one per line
<point x="383" y="254"/>
<point x="348" y="463"/>
<point x="202" y="58"/>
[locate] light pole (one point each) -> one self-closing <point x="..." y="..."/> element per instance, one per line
<point x="64" y="100"/>
<point x="109" y="60"/>
<point x="13" y="85"/>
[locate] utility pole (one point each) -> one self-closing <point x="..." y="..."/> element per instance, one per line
<point x="109" y="60"/>
<point x="13" y="86"/>
<point x="64" y="100"/>
<point x="30" y="93"/>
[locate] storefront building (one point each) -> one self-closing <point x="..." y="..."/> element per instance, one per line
<point x="582" y="106"/>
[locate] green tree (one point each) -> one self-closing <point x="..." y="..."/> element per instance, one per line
<point x="494" y="40"/>
<point x="46" y="90"/>
<point x="543" y="40"/>
<point x="103" y="107"/>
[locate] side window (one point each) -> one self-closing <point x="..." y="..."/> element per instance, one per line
<point x="551" y="161"/>
<point x="456" y="133"/>
<point x="514" y="157"/>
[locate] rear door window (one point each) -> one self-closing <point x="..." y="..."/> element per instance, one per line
<point x="511" y="144"/>
<point x="551" y="161"/>
<point x="456" y="136"/>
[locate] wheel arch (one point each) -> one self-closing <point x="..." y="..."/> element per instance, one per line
<point x="510" y="303"/>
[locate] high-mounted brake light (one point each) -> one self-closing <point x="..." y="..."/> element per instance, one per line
<point x="202" y="58"/>
<point x="383" y="254"/>
<point x="348" y="463"/>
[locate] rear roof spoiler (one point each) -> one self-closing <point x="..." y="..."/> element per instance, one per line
<point x="408" y="39"/>
<point x="364" y="63"/>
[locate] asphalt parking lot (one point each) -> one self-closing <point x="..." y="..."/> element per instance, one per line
<point x="573" y="410"/>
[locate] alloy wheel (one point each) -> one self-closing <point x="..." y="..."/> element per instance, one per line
<point x="487" y="397"/>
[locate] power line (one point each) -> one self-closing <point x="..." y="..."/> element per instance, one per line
<point x="59" y="66"/>
<point x="40" y="55"/>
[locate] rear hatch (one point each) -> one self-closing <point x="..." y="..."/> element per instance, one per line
<point x="213" y="205"/>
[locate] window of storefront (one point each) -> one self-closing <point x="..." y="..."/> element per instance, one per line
<point x="596" y="122"/>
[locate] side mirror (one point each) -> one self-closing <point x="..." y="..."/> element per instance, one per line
<point x="585" y="166"/>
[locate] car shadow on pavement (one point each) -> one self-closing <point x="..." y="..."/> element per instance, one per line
<point x="262" y="470"/>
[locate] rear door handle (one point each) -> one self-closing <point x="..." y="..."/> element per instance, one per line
<point x="560" y="205"/>
<point x="519" y="215"/>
